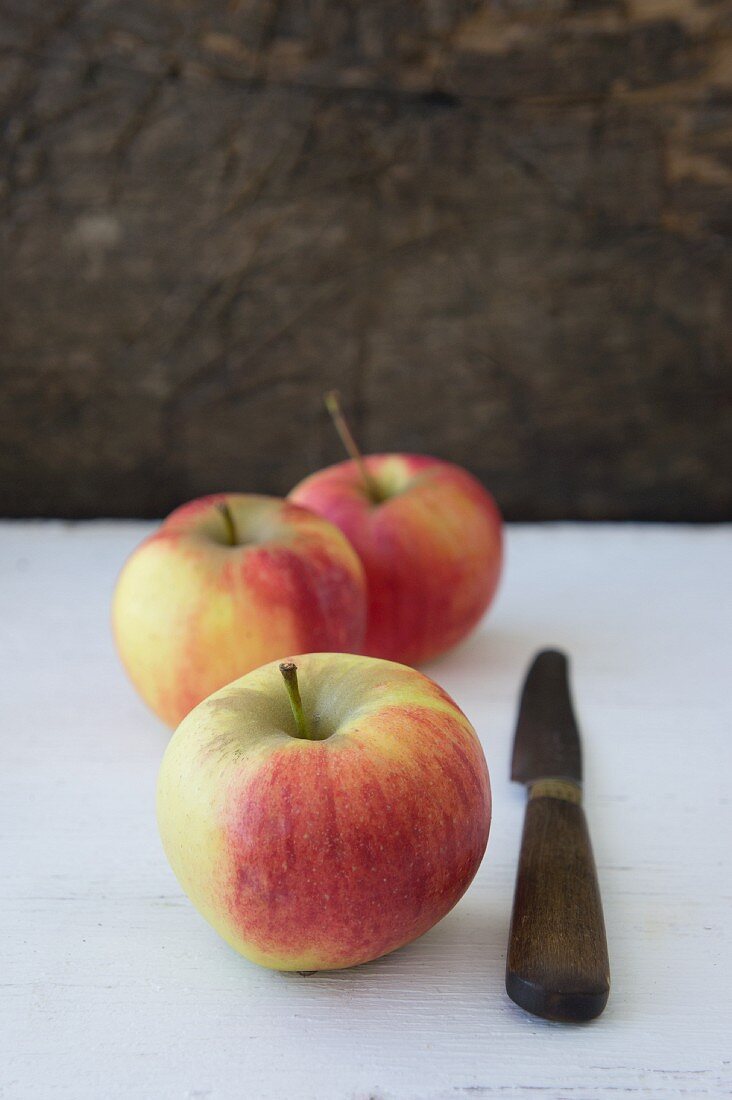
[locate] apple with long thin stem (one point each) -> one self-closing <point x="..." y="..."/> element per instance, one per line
<point x="324" y="810"/>
<point x="429" y="536"/>
<point x="227" y="583"/>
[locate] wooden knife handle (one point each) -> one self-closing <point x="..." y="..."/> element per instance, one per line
<point x="557" y="964"/>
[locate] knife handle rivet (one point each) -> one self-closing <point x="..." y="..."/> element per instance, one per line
<point x="563" y="789"/>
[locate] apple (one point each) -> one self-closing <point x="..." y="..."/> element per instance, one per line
<point x="227" y="583"/>
<point x="319" y="830"/>
<point x="429" y="536"/>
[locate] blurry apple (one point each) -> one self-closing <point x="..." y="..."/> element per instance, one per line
<point x="429" y="537"/>
<point x="227" y="583"/>
<point x="319" y="831"/>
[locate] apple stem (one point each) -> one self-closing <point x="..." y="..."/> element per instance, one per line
<point x="333" y="405"/>
<point x="228" y="523"/>
<point x="289" y="675"/>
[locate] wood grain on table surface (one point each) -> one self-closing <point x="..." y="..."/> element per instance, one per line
<point x="113" y="986"/>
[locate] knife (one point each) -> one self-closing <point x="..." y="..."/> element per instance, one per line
<point x="557" y="965"/>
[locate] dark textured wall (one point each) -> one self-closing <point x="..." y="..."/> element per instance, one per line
<point x="504" y="230"/>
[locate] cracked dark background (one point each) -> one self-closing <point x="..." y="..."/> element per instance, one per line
<point x="503" y="230"/>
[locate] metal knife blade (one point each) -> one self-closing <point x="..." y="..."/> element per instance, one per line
<point x="546" y="742"/>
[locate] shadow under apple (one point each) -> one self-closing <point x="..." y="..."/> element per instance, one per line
<point x="464" y="953"/>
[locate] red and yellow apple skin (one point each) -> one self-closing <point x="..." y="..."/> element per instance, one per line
<point x="321" y="854"/>
<point x="431" y="548"/>
<point x="192" y="612"/>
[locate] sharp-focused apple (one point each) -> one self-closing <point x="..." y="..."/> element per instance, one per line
<point x="324" y="825"/>
<point x="227" y="583"/>
<point x="429" y="537"/>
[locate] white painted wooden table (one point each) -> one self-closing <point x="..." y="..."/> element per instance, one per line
<point x="112" y="986"/>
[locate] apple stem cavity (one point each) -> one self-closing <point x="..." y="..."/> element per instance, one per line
<point x="231" y="539"/>
<point x="289" y="675"/>
<point x="333" y="405"/>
